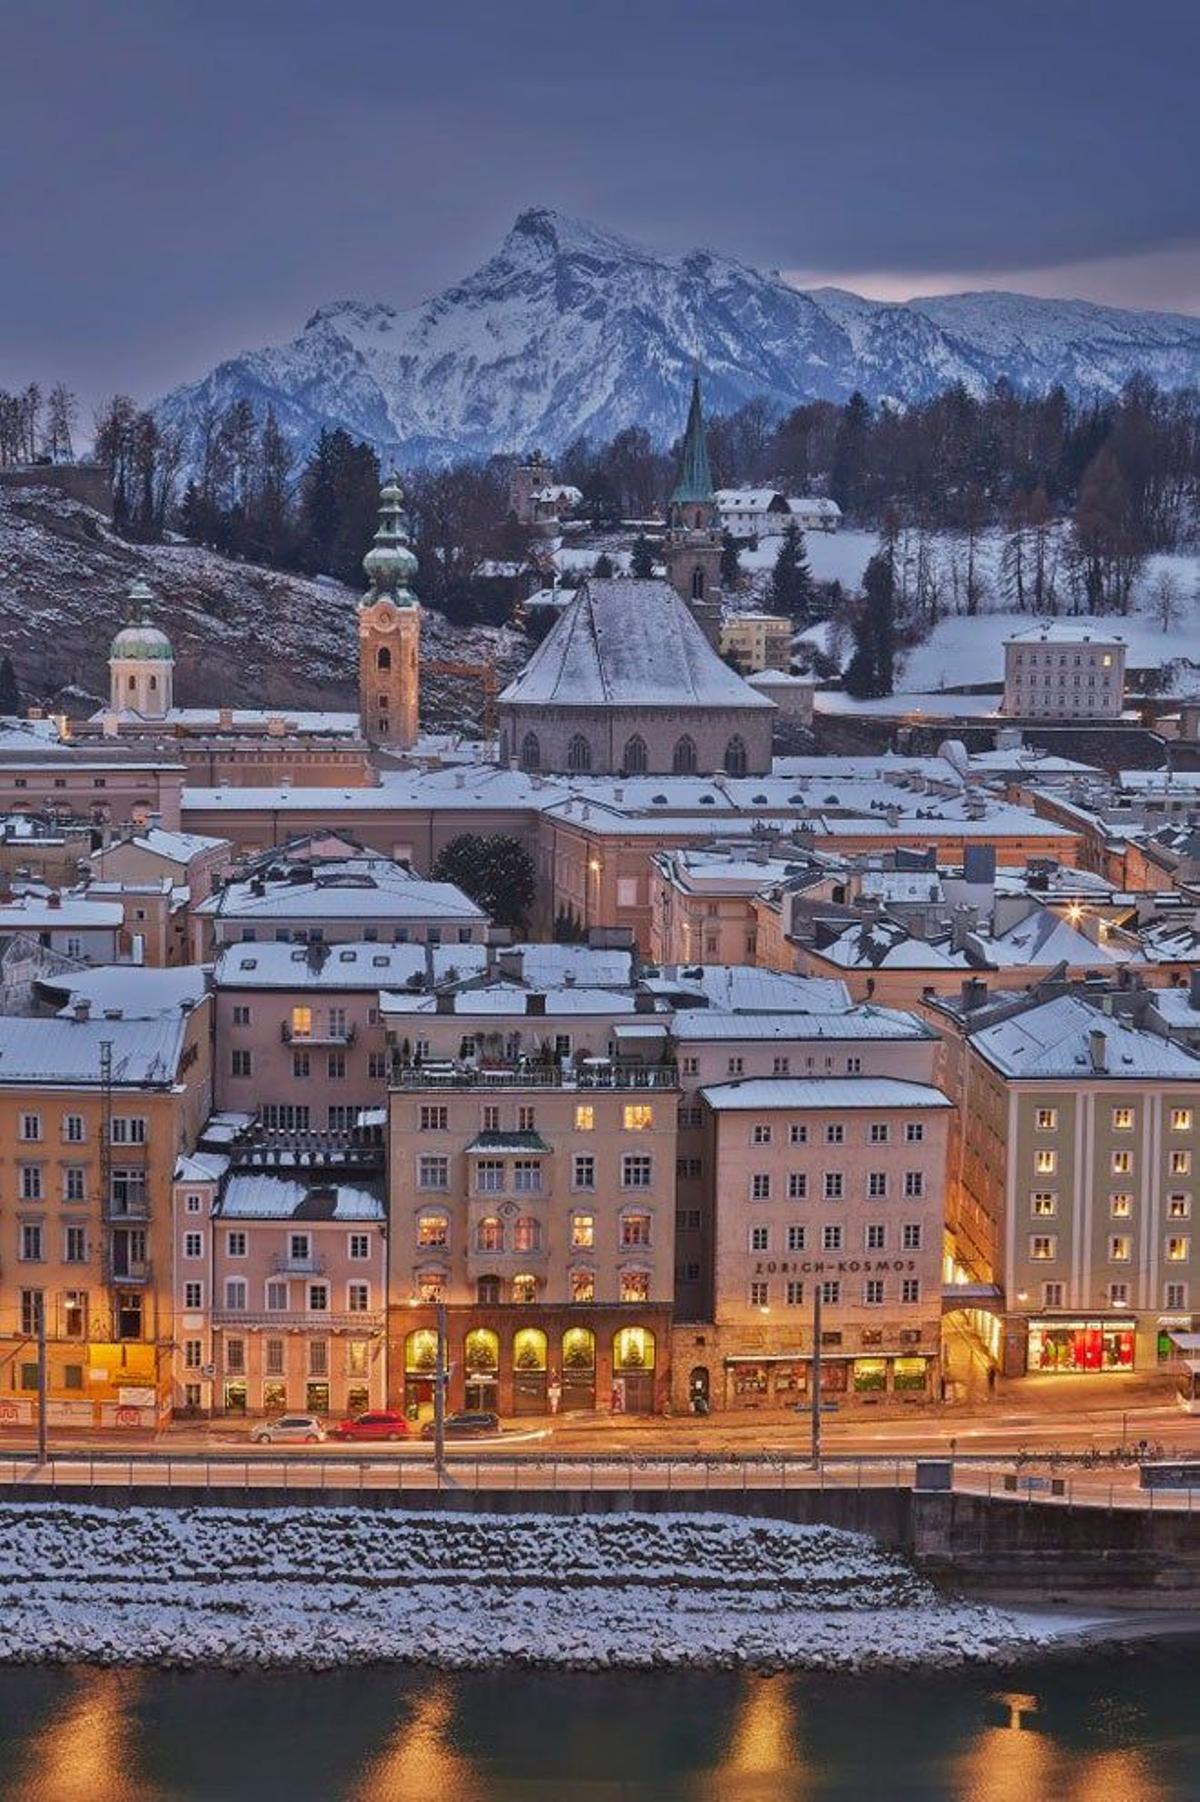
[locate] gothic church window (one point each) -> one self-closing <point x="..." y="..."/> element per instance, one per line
<point x="383" y="658"/>
<point x="735" y="757"/>
<point x="579" y="754"/>
<point x="531" y="752"/>
<point x="697" y="584"/>
<point x="634" y="760"/>
<point x="684" y="761"/>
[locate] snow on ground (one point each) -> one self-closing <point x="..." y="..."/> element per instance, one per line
<point x="318" y="1587"/>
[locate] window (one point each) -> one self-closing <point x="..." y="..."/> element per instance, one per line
<point x="1175" y="1295"/>
<point x="834" y="1186"/>
<point x="302" y="1022"/>
<point x="760" y="1238"/>
<point x="760" y="1295"/>
<point x="299" y="1248"/>
<point x="433" y="1173"/>
<point x="683" y="759"/>
<point x="241" y="1063"/>
<point x="1046" y="1119"/>
<point x="1181" y="1119"/>
<point x="910" y="1289"/>
<point x="1122" y="1119"/>
<point x="193" y="1354"/>
<point x="235" y="1294"/>
<point x="634" y="758"/>
<point x="876" y="1236"/>
<point x="798" y="1135"/>
<point x="193" y="1295"/>
<point x="914" y="1132"/>
<point x="318" y="1298"/>
<point x="31" y="1126"/>
<point x="433" y="1119"/>
<point x="1043" y="1248"/>
<point x="193" y="1245"/>
<point x="1181" y="1163"/>
<point x="489" y="1176"/>
<point x="873" y="1292"/>
<point x="831" y="1238"/>
<point x="31" y="1308"/>
<point x="1122" y="1163"/>
<point x="433" y="1230"/>
<point x="30" y="1182"/>
<point x="74" y="1245"/>
<point x="877" y="1133"/>
<point x="527" y="1233"/>
<point x="1119" y="1248"/>
<point x="489" y="1234"/>
<point x="73" y="1129"/>
<point x="780" y="1066"/>
<point x="1044" y="1204"/>
<point x="377" y="1065"/>
<point x="796" y="1237"/>
<point x="635" y="1229"/>
<point x="75" y="1183"/>
<point x="637" y="1116"/>
<point x="583" y="1171"/>
<point x="274" y="1357"/>
<point x="735" y="1066"/>
<point x="831" y="1292"/>
<point x="360" y="1245"/>
<point x="531" y="752"/>
<point x="1179" y="1207"/>
<point x="760" y="1186"/>
<point x="235" y="1244"/>
<point x="854" y="1066"/>
<point x="689" y="1168"/>
<point x="735" y="756"/>
<point x="358" y="1298"/>
<point x="241" y="1016"/>
<point x="760" y="1135"/>
<point x="914" y="1184"/>
<point x="835" y="1133"/>
<point x="797" y="1185"/>
<point x="335" y="1063"/>
<point x="526" y="1119"/>
<point x="1118" y="1295"/>
<point x="579" y="754"/>
<point x="583" y="1285"/>
<point x="1053" y="1295"/>
<point x="489" y="1118"/>
<point x="1178" y="1249"/>
<point x="877" y="1185"/>
<point x="32" y="1242"/>
<point x="583" y="1231"/>
<point x="910" y="1236"/>
<point x="585" y="1117"/>
<point x="129" y="1130"/>
<point x="527" y="1175"/>
<point x="1045" y="1162"/>
<point x="636" y="1171"/>
<point x="235" y="1355"/>
<point x="277" y="1296"/>
<point x="1120" y="1204"/>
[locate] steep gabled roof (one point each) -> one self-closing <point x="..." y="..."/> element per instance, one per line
<point x="628" y="643"/>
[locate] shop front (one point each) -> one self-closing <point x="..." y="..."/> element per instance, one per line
<point x="1080" y="1346"/>
<point x="784" y="1380"/>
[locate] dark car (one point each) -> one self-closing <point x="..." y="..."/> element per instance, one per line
<point x="465" y="1425"/>
<point x="381" y="1424"/>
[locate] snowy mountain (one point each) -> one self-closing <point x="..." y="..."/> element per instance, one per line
<point x="570" y="330"/>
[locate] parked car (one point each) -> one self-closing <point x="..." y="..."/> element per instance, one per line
<point x="381" y="1424"/>
<point x="289" y="1429"/>
<point x="465" y="1425"/>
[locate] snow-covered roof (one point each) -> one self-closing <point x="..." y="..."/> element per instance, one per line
<point x="744" y="988"/>
<point x="145" y="1053"/>
<point x="139" y="991"/>
<point x="1067" y="631"/>
<point x="818" y="504"/>
<point x="778" y="678"/>
<point x="350" y="888"/>
<point x="507" y="998"/>
<point x="700" y="1025"/>
<point x="201" y="1167"/>
<point x="1054" y="1040"/>
<point x="176" y="847"/>
<point x="356" y="965"/>
<point x="824" y="1092"/>
<point x="38" y="913"/>
<point x="748" y="500"/>
<point x="628" y="643"/>
<point x="255" y="720"/>
<point x="256" y="1195"/>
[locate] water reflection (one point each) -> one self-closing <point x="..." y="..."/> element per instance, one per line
<point x="88" y="1747"/>
<point x="763" y="1749"/>
<point x="419" y="1762"/>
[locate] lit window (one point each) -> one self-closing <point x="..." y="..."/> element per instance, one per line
<point x="1120" y="1204"/>
<point x="433" y="1230"/>
<point x="1122" y="1163"/>
<point x="1044" y="1203"/>
<point x="1181" y="1119"/>
<point x="1179" y="1207"/>
<point x="1122" y="1119"/>
<point x="585" y="1117"/>
<point x="1047" y="1119"/>
<point x="1119" y="1248"/>
<point x="1178" y="1249"/>
<point x="583" y="1231"/>
<point x="637" y="1116"/>
<point x="1045" y="1162"/>
<point x="302" y="1022"/>
<point x="1181" y="1163"/>
<point x="1043" y="1247"/>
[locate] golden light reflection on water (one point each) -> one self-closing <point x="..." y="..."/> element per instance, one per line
<point x="86" y="1750"/>
<point x="763" y="1748"/>
<point x="418" y="1764"/>
<point x="1019" y="1762"/>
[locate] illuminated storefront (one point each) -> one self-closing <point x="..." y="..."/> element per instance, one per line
<point x="780" y="1381"/>
<point x="1080" y="1346"/>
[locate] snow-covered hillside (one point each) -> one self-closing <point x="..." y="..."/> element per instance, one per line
<point x="242" y="635"/>
<point x="572" y="330"/>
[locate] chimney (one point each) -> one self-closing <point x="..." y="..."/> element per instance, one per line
<point x="445" y="1002"/>
<point x="511" y="965"/>
<point x="1098" y="1049"/>
<point x="82" y="1009"/>
<point x="535" y="1004"/>
<point x="54" y="899"/>
<point x="643" y="1002"/>
<point x="974" y="993"/>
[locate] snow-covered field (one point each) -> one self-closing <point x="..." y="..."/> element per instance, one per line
<point x="321" y="1587"/>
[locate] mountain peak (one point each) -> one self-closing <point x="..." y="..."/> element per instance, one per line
<point x="558" y="234"/>
<point x="363" y="315"/>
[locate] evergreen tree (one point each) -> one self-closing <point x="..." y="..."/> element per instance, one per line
<point x="731" y="569"/>
<point x="642" y="564"/>
<point x="497" y="872"/>
<point x="603" y="566"/>
<point x="10" y="693"/>
<point x="791" y="579"/>
<point x="871" y="670"/>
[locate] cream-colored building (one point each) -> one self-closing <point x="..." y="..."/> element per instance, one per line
<point x="1064" y="669"/>
<point x="758" y="641"/>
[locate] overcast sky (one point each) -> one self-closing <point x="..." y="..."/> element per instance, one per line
<point x="181" y="179"/>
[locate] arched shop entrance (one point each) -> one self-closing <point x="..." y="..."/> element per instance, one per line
<point x="481" y="1369"/>
<point x="420" y="1371"/>
<point x="578" y="1369"/>
<point x="633" y="1352"/>
<point x="529" y="1371"/>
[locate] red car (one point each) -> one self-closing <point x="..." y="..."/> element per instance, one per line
<point x="383" y="1424"/>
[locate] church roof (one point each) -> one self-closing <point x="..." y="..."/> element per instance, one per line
<point x="628" y="643"/>
<point x="695" y="477"/>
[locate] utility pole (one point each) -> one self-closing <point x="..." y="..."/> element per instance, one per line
<point x="439" y="1396"/>
<point x="41" y="1376"/>
<point x="815" y="1378"/>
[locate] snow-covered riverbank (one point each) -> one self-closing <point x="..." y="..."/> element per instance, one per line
<point x="322" y="1587"/>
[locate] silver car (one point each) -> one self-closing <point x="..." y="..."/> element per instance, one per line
<point x="288" y="1429"/>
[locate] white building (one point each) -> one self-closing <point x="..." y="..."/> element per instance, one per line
<point x="767" y="512"/>
<point x="1064" y="669"/>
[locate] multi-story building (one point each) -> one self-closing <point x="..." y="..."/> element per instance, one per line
<point x="836" y="1181"/>
<point x="93" y="1115"/>
<point x="280" y="1275"/>
<point x="1075" y="1181"/>
<point x="539" y="1207"/>
<point x="1064" y="669"/>
<point x="758" y="641"/>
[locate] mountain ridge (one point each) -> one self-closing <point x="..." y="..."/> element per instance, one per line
<point x="571" y="330"/>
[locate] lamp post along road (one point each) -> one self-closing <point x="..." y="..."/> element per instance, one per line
<point x="439" y="1395"/>
<point x="41" y="1378"/>
<point x="815" y="1378"/>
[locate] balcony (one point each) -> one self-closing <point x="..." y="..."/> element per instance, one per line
<point x="118" y="1209"/>
<point x="126" y="1270"/>
<point x="593" y="1073"/>
<point x="293" y="1320"/>
<point x="283" y="1264"/>
<point x="319" y="1036"/>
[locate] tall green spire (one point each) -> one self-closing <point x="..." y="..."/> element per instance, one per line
<point x="389" y="564"/>
<point x="695" y="477"/>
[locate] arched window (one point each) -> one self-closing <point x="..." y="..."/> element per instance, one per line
<point x="697" y="584"/>
<point x="579" y="753"/>
<point x="420" y="1352"/>
<point x="154" y="681"/>
<point x="634" y="759"/>
<point x="531" y="752"/>
<point x="529" y="1349"/>
<point x="735" y="756"/>
<point x="489" y="1234"/>
<point x="579" y="1348"/>
<point x="684" y="761"/>
<point x="633" y="1349"/>
<point x="527" y="1233"/>
<point x="132" y="683"/>
<point x="481" y="1350"/>
<point x="383" y="658"/>
<point x="524" y="1287"/>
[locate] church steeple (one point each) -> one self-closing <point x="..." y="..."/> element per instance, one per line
<point x="389" y="631"/>
<point x="694" y="487"/>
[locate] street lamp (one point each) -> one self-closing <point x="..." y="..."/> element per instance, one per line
<point x="440" y="1378"/>
<point x="815" y="1378"/>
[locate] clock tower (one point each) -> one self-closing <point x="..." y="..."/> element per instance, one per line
<point x="389" y="632"/>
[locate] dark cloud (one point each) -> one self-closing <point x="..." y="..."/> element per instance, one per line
<point x="185" y="177"/>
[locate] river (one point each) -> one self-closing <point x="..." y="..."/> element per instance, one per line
<point x="1100" y="1728"/>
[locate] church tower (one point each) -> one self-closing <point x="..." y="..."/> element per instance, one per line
<point x="692" y="549"/>
<point x="389" y="632"/>
<point x="141" y="663"/>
